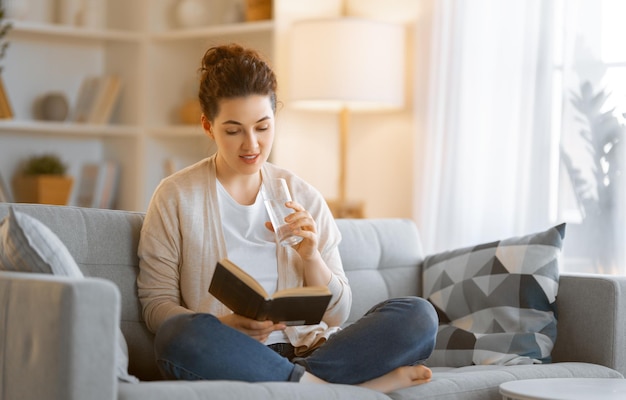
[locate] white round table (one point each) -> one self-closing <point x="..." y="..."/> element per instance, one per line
<point x="564" y="389"/>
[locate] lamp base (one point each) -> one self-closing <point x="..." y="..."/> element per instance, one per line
<point x="347" y="209"/>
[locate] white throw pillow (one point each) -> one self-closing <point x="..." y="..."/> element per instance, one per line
<point x="27" y="245"/>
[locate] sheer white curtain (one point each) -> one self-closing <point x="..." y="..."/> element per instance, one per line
<point x="489" y="161"/>
<point x="592" y="65"/>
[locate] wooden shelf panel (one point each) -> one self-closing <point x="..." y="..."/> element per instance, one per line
<point x="36" y="29"/>
<point x="67" y="128"/>
<point x="177" y="131"/>
<point x="242" y="28"/>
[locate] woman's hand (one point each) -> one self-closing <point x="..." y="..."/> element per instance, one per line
<point x="302" y="224"/>
<point x="259" y="330"/>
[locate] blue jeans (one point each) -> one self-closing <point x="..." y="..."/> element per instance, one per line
<point x="394" y="333"/>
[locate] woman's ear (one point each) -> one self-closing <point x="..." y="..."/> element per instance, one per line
<point x="206" y="126"/>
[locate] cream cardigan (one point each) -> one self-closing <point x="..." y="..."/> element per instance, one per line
<point x="182" y="240"/>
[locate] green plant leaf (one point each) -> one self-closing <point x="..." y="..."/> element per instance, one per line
<point x="46" y="164"/>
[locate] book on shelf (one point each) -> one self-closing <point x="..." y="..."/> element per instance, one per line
<point x="98" y="185"/>
<point x="86" y="94"/>
<point x="5" y="193"/>
<point x="105" y="100"/>
<point x="244" y="295"/>
<point x="6" y="111"/>
<point x="97" y="98"/>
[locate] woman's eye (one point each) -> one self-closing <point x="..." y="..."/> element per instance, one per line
<point x="263" y="128"/>
<point x="232" y="131"/>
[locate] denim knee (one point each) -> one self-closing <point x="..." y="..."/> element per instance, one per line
<point x="424" y="313"/>
<point x="199" y="346"/>
<point x="174" y="344"/>
<point x="170" y="332"/>
<point x="416" y="324"/>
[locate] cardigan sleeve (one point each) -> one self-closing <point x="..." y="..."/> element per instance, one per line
<point x="179" y="246"/>
<point x="158" y="282"/>
<point x="306" y="337"/>
<point x="341" y="301"/>
<point x="329" y="239"/>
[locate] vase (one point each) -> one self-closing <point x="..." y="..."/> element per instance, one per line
<point x="52" y="107"/>
<point x="16" y="9"/>
<point x="190" y="112"/>
<point x="258" y="10"/>
<point x="234" y="13"/>
<point x="193" y="13"/>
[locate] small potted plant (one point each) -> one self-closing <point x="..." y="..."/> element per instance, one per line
<point x="42" y="179"/>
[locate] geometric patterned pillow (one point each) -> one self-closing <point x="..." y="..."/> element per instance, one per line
<point x="28" y="245"/>
<point x="496" y="301"/>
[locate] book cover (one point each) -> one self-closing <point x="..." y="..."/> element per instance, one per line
<point x="5" y="193"/>
<point x="240" y="292"/>
<point x="98" y="185"/>
<point x="108" y="188"/>
<point x="6" y="110"/>
<point x="85" y="99"/>
<point x="105" y="99"/>
<point x="89" y="175"/>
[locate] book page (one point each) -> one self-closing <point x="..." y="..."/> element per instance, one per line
<point x="245" y="277"/>
<point x="303" y="291"/>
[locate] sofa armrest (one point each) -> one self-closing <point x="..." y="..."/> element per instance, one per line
<point x="592" y="320"/>
<point x="57" y="337"/>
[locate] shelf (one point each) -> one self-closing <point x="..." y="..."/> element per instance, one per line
<point x="241" y="28"/>
<point x="136" y="40"/>
<point x="24" y="28"/>
<point x="177" y="131"/>
<point x="66" y="128"/>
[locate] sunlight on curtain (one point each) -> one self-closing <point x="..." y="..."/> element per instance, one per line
<point x="526" y="128"/>
<point x="491" y="162"/>
<point x="590" y="72"/>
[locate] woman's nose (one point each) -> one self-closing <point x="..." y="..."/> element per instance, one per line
<point x="250" y="141"/>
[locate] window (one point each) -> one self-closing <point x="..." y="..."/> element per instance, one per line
<point x="589" y="86"/>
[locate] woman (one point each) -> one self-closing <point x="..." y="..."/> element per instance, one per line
<point x="213" y="210"/>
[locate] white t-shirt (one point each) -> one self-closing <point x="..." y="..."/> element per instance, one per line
<point x="250" y="244"/>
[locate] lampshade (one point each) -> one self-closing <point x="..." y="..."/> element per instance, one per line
<point x="350" y="63"/>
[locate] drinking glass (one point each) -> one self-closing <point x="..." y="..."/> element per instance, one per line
<point x="275" y="194"/>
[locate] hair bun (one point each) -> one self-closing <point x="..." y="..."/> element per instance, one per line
<point x="233" y="71"/>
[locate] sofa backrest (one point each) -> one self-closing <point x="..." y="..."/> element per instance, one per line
<point x="381" y="258"/>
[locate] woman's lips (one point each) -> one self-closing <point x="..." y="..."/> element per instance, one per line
<point x="249" y="158"/>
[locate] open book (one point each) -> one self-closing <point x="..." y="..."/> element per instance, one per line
<point x="245" y="296"/>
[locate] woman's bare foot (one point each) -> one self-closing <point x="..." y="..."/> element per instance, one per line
<point x="310" y="378"/>
<point x="400" y="378"/>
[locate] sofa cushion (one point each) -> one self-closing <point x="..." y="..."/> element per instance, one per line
<point x="27" y="245"/>
<point x="380" y="257"/>
<point x="496" y="301"/>
<point x="30" y="246"/>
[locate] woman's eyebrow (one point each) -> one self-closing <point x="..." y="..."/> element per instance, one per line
<point x="233" y="122"/>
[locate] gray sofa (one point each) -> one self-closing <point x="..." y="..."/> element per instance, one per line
<point x="57" y="335"/>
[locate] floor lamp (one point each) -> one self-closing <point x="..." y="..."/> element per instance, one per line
<point x="346" y="65"/>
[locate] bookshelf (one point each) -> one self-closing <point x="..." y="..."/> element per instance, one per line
<point x="157" y="62"/>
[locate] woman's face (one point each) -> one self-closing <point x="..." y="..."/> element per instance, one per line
<point x="244" y="133"/>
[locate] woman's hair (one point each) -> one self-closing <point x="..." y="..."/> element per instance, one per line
<point x="231" y="71"/>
